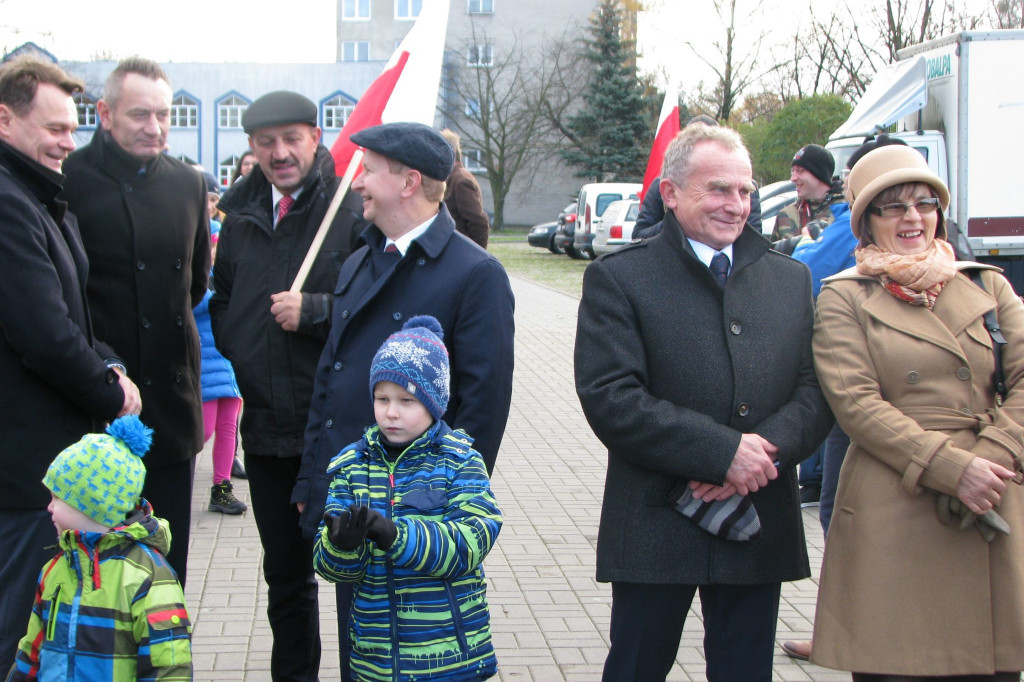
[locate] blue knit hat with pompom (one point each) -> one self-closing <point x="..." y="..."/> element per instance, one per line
<point x="102" y="474"/>
<point x="415" y="358"/>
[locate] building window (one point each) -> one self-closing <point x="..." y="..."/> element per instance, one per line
<point x="336" y="112"/>
<point x="355" y="10"/>
<point x="473" y="108"/>
<point x="480" y="55"/>
<point x="355" y="51"/>
<point x="473" y="159"/>
<point x="86" y="107"/>
<point x="184" y="112"/>
<point x="407" y="9"/>
<point x="225" y="168"/>
<point x="481" y="7"/>
<point x="230" y="110"/>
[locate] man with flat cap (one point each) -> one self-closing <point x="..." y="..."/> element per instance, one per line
<point x="413" y="263"/>
<point x="273" y="338"/>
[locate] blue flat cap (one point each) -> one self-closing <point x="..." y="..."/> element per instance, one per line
<point x="416" y="145"/>
<point x="278" y="108"/>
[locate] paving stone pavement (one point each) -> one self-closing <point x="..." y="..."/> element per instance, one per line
<point x="549" y="615"/>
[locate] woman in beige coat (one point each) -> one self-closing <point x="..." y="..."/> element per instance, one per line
<point x="921" y="579"/>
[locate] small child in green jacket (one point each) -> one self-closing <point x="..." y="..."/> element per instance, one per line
<point x="409" y="519"/>
<point x="108" y="605"/>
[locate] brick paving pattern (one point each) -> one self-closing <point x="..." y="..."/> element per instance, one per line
<point x="549" y="615"/>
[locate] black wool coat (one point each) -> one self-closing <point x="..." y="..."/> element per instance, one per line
<point x="671" y="370"/>
<point x="274" y="367"/>
<point x="147" y="234"/>
<point x="55" y="384"/>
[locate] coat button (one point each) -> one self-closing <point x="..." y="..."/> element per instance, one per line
<point x="178" y="320"/>
<point x="421" y="261"/>
<point x="965" y="410"/>
<point x="963" y="374"/>
<point x="177" y="264"/>
<point x="397" y="316"/>
<point x="179" y="377"/>
<point x="147" y="382"/>
<point x="344" y="314"/>
<point x="913" y="377"/>
<point x="735" y="328"/>
<point x="145" y="323"/>
<point x="329" y="423"/>
<point x="743" y="410"/>
<point x="140" y="265"/>
<point x="338" y="366"/>
<point x="127" y="187"/>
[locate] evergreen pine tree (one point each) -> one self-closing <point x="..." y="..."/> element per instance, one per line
<point x="610" y="136"/>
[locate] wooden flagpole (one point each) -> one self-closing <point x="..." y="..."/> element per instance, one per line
<point x="332" y="210"/>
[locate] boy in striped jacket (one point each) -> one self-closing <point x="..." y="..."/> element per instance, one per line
<point x="409" y="519"/>
<point x="108" y="606"/>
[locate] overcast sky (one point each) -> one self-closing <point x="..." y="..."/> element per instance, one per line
<point x="259" y="31"/>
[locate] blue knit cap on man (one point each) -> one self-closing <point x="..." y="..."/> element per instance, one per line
<point x="415" y="358"/>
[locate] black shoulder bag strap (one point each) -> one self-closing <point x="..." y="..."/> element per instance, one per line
<point x="992" y="324"/>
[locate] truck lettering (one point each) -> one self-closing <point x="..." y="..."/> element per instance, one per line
<point x="941" y="66"/>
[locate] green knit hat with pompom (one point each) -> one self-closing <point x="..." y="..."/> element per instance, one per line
<point x="102" y="474"/>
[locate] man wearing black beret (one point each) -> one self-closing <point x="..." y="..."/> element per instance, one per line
<point x="273" y="338"/>
<point x="413" y="263"/>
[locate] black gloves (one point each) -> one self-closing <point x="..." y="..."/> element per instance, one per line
<point x="350" y="528"/>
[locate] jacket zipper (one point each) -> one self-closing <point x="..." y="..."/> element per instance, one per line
<point x="391" y="577"/>
<point x="51" y="623"/>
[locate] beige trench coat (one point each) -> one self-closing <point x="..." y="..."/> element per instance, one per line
<point x="901" y="593"/>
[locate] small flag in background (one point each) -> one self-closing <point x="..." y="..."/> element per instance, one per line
<point x="668" y="128"/>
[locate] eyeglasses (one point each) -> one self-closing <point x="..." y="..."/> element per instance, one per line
<point x="900" y="209"/>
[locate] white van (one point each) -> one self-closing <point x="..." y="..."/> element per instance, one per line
<point x="594" y="198"/>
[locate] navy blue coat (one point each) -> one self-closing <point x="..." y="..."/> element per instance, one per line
<point x="55" y="384"/>
<point x="443" y="274"/>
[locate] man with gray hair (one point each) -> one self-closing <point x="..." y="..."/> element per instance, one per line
<point x="715" y="366"/>
<point x="58" y="382"/>
<point x="145" y="227"/>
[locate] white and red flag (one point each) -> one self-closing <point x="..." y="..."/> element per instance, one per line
<point x="407" y="88"/>
<point x="668" y="128"/>
<point x="405" y="91"/>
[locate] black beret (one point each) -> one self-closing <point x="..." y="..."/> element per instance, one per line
<point x="416" y="145"/>
<point x="277" y="109"/>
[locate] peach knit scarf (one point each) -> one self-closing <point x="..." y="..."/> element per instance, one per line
<point x="916" y="278"/>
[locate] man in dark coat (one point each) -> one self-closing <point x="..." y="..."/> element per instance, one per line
<point x="413" y="263"/>
<point x="58" y="383"/>
<point x="705" y="386"/>
<point x="273" y="338"/>
<point x="145" y="227"/>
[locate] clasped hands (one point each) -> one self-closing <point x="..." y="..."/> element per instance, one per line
<point x="752" y="467"/>
<point x="350" y="528"/>
<point x="978" y="494"/>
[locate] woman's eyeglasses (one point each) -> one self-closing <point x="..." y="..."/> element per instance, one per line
<point x="900" y="209"/>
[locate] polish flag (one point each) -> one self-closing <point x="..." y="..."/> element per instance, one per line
<point x="668" y="128"/>
<point x="407" y="89"/>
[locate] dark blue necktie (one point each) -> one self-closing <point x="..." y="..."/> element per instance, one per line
<point x="720" y="268"/>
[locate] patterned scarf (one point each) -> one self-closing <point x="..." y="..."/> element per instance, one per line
<point x="916" y="279"/>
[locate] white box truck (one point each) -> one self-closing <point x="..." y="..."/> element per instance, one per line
<point x="959" y="100"/>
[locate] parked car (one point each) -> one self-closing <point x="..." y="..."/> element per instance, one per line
<point x="543" y="235"/>
<point x="594" y="198"/>
<point x="615" y="227"/>
<point x="566" y="229"/>
<point x="771" y="207"/>
<point x="773" y="188"/>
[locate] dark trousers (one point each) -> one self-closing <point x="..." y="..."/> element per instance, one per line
<point x="168" y="489"/>
<point x="647" y="622"/>
<point x="834" y="451"/>
<point x="292" y="608"/>
<point x="809" y="472"/>
<point x="28" y="540"/>
<point x="998" y="677"/>
<point x="344" y="593"/>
